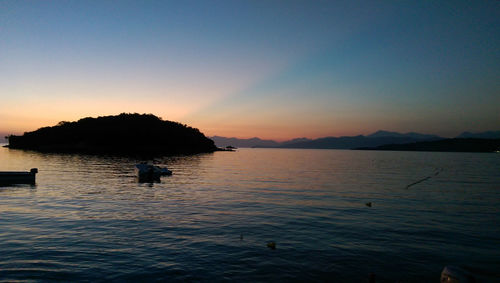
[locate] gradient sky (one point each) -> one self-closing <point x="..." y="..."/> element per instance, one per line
<point x="272" y="69"/>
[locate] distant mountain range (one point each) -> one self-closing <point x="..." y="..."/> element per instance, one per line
<point x="346" y="142"/>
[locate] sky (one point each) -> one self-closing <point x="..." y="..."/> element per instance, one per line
<point x="269" y="69"/>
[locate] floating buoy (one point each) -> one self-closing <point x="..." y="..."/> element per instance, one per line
<point x="271" y="245"/>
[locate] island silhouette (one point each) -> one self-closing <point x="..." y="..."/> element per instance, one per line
<point x="124" y="134"/>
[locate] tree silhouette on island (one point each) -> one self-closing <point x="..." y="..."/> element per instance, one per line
<point x="124" y="134"/>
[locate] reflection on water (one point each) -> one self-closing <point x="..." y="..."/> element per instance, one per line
<point x="88" y="218"/>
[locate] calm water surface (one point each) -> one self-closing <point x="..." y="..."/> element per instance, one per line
<point x="87" y="218"/>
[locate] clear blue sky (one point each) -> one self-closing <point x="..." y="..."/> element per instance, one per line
<point x="273" y="69"/>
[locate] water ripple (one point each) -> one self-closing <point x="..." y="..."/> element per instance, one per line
<point x="88" y="219"/>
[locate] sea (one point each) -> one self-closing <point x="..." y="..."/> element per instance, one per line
<point x="331" y="216"/>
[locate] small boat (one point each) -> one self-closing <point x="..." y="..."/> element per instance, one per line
<point x="148" y="172"/>
<point x="13" y="177"/>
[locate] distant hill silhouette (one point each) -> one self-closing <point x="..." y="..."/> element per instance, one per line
<point x="349" y="142"/>
<point x="413" y="135"/>
<point x="446" y="145"/>
<point x="482" y="135"/>
<point x="120" y="134"/>
<point x="252" y="142"/>
<point x="353" y="142"/>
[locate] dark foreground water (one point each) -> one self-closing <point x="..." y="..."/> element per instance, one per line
<point x="87" y="218"/>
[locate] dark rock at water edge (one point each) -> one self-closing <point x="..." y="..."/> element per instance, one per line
<point x="124" y="134"/>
